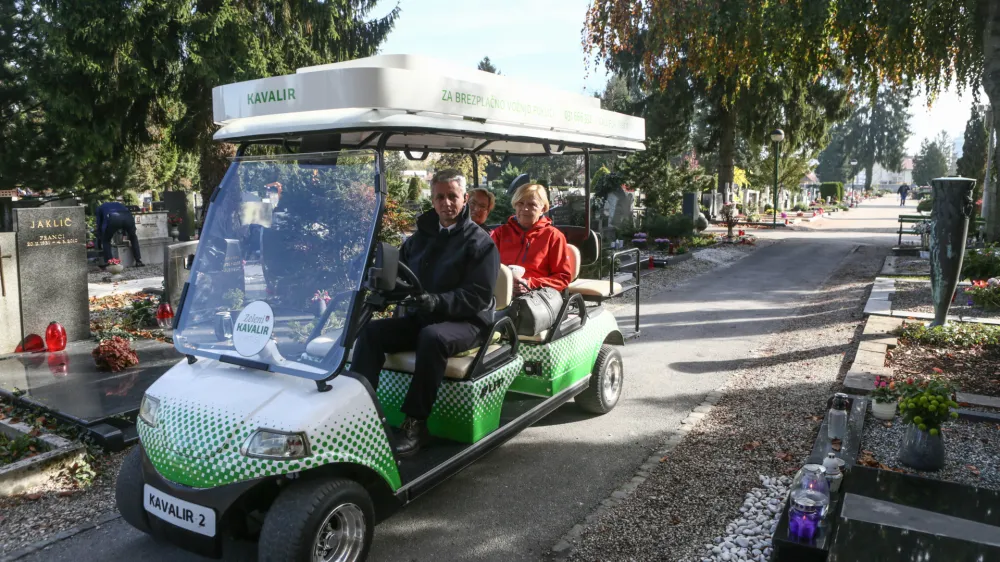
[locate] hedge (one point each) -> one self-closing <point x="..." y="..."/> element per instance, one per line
<point x="834" y="189"/>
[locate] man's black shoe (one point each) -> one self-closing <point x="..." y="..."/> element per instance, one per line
<point x="414" y="436"/>
<point x="140" y="264"/>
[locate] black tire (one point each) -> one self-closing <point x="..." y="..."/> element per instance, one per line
<point x="129" y="490"/>
<point x="606" y="382"/>
<point x="294" y="520"/>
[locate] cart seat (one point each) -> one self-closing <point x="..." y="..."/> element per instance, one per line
<point x="458" y="366"/>
<point x="589" y="287"/>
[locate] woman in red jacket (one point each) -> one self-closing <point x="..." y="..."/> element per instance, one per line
<point x="529" y="241"/>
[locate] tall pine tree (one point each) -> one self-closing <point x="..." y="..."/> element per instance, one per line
<point x="972" y="163"/>
<point x="878" y="130"/>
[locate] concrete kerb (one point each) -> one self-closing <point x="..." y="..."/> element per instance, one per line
<point x="15" y="478"/>
<point x="564" y="547"/>
<point x="61" y="536"/>
<point x="880" y="304"/>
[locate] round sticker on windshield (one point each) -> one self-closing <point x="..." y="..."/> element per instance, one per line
<point x="253" y="328"/>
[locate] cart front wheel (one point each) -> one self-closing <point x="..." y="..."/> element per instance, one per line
<point x="129" y="491"/>
<point x="327" y="520"/>
<point x="605" y="382"/>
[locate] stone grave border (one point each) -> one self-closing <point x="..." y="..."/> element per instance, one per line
<point x="880" y="304"/>
<point x="889" y="269"/>
<point x="21" y="475"/>
<point x="869" y="361"/>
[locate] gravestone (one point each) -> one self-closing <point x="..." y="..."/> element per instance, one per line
<point x="52" y="271"/>
<point x="159" y="206"/>
<point x="174" y="273"/>
<point x="719" y="202"/>
<point x="619" y="207"/>
<point x="181" y="203"/>
<point x="10" y="298"/>
<point x="153" y="233"/>
<point x="689" y="205"/>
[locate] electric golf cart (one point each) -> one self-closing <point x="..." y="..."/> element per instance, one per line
<point x="264" y="429"/>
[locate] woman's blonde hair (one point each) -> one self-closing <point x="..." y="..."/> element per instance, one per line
<point x="527" y="190"/>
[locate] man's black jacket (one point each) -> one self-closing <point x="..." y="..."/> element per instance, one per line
<point x="460" y="266"/>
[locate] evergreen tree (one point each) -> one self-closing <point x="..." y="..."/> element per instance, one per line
<point x="929" y="163"/>
<point x="833" y="159"/>
<point x="877" y="132"/>
<point x="416" y="189"/>
<point x="228" y="42"/>
<point x="486" y="65"/>
<point x="972" y="164"/>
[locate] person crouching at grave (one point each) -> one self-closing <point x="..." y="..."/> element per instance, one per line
<point x="113" y="217"/>
<point x="535" y="250"/>
<point x="457" y="266"/>
<point x="481" y="204"/>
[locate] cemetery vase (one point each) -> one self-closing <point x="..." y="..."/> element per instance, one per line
<point x="320" y="307"/>
<point x="116" y="269"/>
<point x="884" y="411"/>
<point x="174" y="232"/>
<point x="920" y="450"/>
<point x="949" y="228"/>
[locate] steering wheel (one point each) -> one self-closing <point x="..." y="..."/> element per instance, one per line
<point x="407" y="286"/>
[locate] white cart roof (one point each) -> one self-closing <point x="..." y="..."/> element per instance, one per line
<point x="433" y="105"/>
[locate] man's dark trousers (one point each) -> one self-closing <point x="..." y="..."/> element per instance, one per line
<point x="116" y="222"/>
<point x="434" y="344"/>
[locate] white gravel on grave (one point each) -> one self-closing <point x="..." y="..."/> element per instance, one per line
<point x="748" y="537"/>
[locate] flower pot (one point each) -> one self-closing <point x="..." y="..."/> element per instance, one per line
<point x="885" y="411"/>
<point x="320" y="307"/>
<point x="175" y="232"/>
<point x="116" y="269"/>
<point x="921" y="450"/>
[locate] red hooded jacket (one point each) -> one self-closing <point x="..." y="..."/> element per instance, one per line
<point x="541" y="251"/>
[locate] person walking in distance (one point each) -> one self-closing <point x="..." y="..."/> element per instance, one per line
<point x="113" y="217"/>
<point x="903" y="190"/>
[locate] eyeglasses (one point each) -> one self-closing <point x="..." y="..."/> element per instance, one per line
<point x="477" y="206"/>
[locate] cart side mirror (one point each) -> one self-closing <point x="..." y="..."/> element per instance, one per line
<point x="189" y="261"/>
<point x="382" y="276"/>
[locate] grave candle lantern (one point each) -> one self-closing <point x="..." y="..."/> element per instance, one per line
<point x="55" y="337"/>
<point x="164" y="315"/>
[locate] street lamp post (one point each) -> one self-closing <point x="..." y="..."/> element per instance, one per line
<point x="777" y="136"/>
<point x="854" y="180"/>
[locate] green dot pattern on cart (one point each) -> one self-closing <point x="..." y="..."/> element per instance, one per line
<point x="197" y="444"/>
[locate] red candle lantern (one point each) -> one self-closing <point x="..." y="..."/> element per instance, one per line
<point x="55" y="337"/>
<point x="165" y="315"/>
<point x="31" y="344"/>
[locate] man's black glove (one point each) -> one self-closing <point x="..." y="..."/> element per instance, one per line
<point x="425" y="302"/>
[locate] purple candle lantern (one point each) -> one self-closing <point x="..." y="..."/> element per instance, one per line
<point x="803" y="525"/>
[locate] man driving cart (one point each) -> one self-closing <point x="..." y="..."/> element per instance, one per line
<point x="457" y="265"/>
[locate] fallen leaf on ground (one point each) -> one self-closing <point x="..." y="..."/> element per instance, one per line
<point x="972" y="469"/>
<point x="674" y="520"/>
<point x="836" y="444"/>
<point x="751" y="445"/>
<point x="784" y="456"/>
<point x="33" y="497"/>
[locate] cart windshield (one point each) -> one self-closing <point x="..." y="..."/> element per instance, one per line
<point x="280" y="261"/>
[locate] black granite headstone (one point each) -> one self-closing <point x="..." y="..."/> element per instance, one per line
<point x="181" y="203"/>
<point x="689" y="205"/>
<point x="52" y="272"/>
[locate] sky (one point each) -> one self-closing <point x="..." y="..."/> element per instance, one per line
<point x="541" y="41"/>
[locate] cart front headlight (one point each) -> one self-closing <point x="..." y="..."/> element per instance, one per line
<point x="148" y="409"/>
<point x="272" y="444"/>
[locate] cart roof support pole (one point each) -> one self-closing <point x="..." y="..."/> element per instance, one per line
<point x="586" y="188"/>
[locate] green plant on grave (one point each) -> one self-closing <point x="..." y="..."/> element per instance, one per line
<point x="142" y="314"/>
<point x="955" y="334"/>
<point x="234" y="297"/>
<point x="114" y="332"/>
<point x="927" y="404"/>
<point x="18" y="448"/>
<point x="982" y="263"/>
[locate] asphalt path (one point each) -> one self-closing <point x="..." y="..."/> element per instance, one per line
<point x="515" y="503"/>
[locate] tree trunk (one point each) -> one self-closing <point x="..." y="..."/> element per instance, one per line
<point x="727" y="147"/>
<point x="991" y="83"/>
<point x="868" y="174"/>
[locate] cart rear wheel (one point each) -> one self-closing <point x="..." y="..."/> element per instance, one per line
<point x="605" y="382"/>
<point x="325" y="520"/>
<point x="129" y="489"/>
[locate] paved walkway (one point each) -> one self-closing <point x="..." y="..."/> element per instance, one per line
<point x="518" y="501"/>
